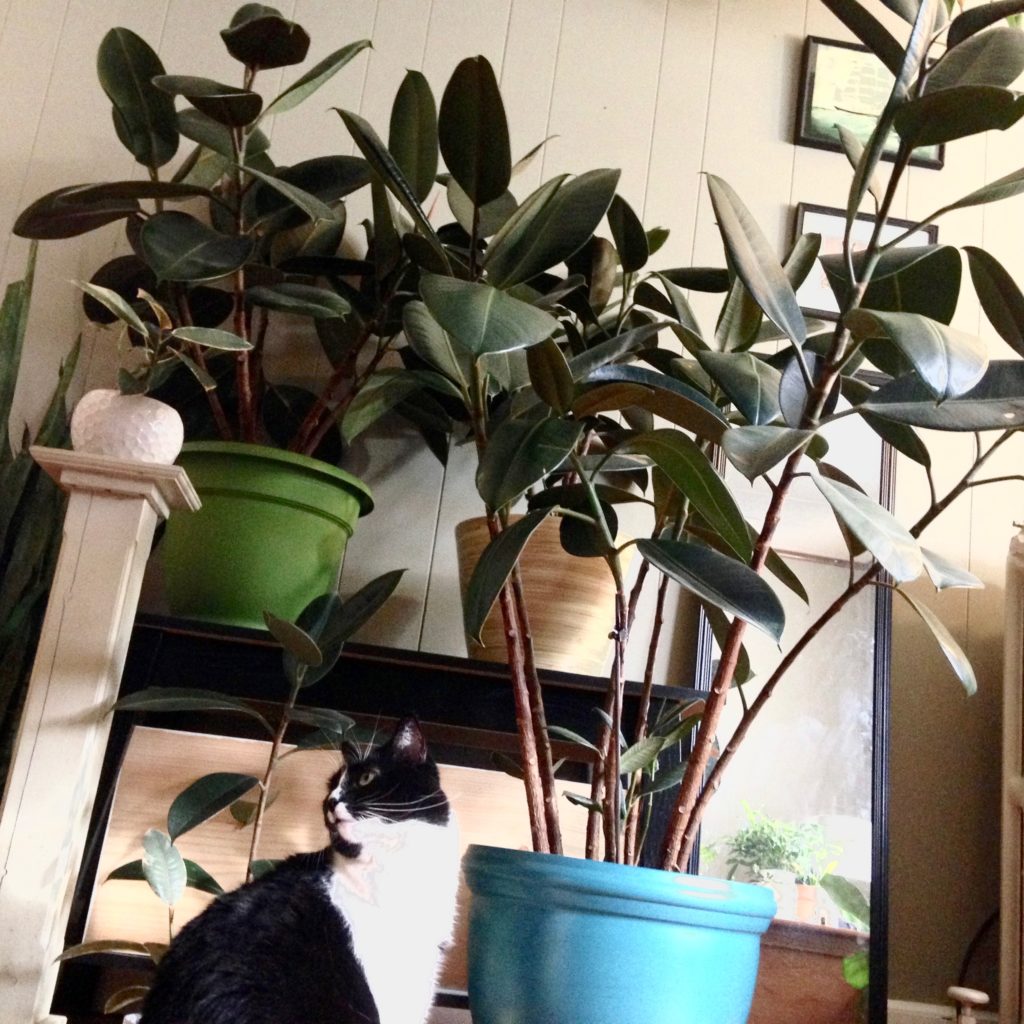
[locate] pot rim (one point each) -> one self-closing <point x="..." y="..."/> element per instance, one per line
<point x="265" y="453"/>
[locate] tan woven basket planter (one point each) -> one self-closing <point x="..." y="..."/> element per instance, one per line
<point x="570" y="601"/>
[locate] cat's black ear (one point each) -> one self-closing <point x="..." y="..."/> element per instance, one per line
<point x="408" y="743"/>
<point x="349" y="751"/>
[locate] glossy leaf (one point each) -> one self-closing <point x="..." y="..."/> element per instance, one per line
<point x="573" y="737"/>
<point x="900" y="436"/>
<point x="950" y="648"/>
<point x="300" y="299"/>
<point x="751" y="384"/>
<point x="948" y="361"/>
<point x="163" y="866"/>
<point x="178" y="247"/>
<point x="853" y="149"/>
<point x="720" y="580"/>
<point x="550" y="375"/>
<point x="260" y="38"/>
<point x="309" y="204"/>
<point x="994" y="58"/>
<point x="226" y="104"/>
<point x="181" y="698"/>
<point x="849" y="899"/>
<point x="304" y="87"/>
<point x="386" y="389"/>
<point x="196" y="877"/>
<point x="754" y="261"/>
<point x="756" y="450"/>
<point x="433" y="344"/>
<point x="211" y="337"/>
<point x="383" y="163"/>
<point x="63" y="214"/>
<point x="995" y="403"/>
<point x="473" y="131"/>
<point x="520" y="452"/>
<point x="550" y="226"/>
<point x="360" y="607"/>
<point x="295" y="640"/>
<point x="628" y="235"/>
<point x="612" y="350"/>
<point x="975" y="19"/>
<point x="326" y="719"/>
<point x="870" y="31"/>
<point x="588" y="540"/>
<point x="412" y="137"/>
<point x="116" y="305"/>
<point x="204" y="798"/>
<point x="493" y="569"/>
<point x="144" y="117"/>
<point x="945" y="575"/>
<point x="999" y="295"/>
<point x="125" y="997"/>
<point x="481" y="319"/>
<point x="940" y="117"/>
<point x="876" y="528"/>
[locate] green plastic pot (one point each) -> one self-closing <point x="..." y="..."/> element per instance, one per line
<point x="270" y="535"/>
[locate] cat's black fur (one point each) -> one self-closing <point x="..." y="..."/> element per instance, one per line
<point x="277" y="951"/>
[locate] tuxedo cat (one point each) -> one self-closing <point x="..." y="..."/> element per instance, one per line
<point x="353" y="934"/>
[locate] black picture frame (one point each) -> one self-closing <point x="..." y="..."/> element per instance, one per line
<point x="814" y="295"/>
<point x="846" y="81"/>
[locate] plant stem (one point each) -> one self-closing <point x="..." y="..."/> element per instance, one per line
<point x="198" y="353"/>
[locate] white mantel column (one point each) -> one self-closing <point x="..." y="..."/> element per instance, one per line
<point x="113" y="509"/>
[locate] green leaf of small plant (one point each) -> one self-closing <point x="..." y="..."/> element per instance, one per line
<point x="945" y="575"/>
<point x="163" y="866"/>
<point x="204" y="798"/>
<point x="950" y="648"/>
<point x="856" y="971"/>
<point x="357" y="609"/>
<point x="304" y="87"/>
<point x="849" y="899"/>
<point x="573" y="737"/>
<point x="181" y="698"/>
<point x="297" y="642"/>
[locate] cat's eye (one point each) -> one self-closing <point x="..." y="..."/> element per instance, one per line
<point x="368" y="776"/>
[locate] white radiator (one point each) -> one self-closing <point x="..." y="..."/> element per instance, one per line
<point x="1011" y="976"/>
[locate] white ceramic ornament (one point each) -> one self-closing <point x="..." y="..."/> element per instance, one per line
<point x="135" y="427"/>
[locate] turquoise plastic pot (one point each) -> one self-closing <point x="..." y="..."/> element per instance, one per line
<point x="555" y="940"/>
<point x="270" y="535"/>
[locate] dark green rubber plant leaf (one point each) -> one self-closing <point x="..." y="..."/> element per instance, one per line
<point x="428" y="339"/>
<point x="939" y="117"/>
<point x="63" y="214"/>
<point x="473" y="131"/>
<point x="751" y="384"/>
<point x="994" y="58"/>
<point x="226" y="104"/>
<point x="178" y="247"/>
<point x="357" y="609"/>
<point x="756" y="450"/>
<point x="481" y="319"/>
<point x="870" y="31"/>
<point x="975" y="19"/>
<point x="260" y="38"/>
<point x="999" y="295"/>
<point x="493" y="569"/>
<point x="945" y="575"/>
<point x="295" y="640"/>
<point x="412" y="134"/>
<point x="628" y="235"/>
<point x="144" y="116"/>
<point x="953" y="652"/>
<point x="300" y="299"/>
<point x="196" y="877"/>
<point x="720" y="580"/>
<point x="304" y="87"/>
<point x="550" y="375"/>
<point x="163" y="866"/>
<point x="875" y="527"/>
<point x="183" y="698"/>
<point x="204" y="798"/>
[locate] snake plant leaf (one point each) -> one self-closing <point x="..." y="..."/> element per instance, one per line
<point x="877" y="529"/>
<point x="551" y="224"/>
<point x="751" y="384"/>
<point x="967" y="23"/>
<point x="204" y="798"/>
<point x="412" y="133"/>
<point x="522" y="451"/>
<point x="999" y="295"/>
<point x="300" y="299"/>
<point x="994" y="58"/>
<point x="492" y="570"/>
<point x="62" y="214"/>
<point x="871" y="32"/>
<point x="940" y="117"/>
<point x="719" y="580"/>
<point x="163" y="866"/>
<point x="755" y="263"/>
<point x="260" y="38"/>
<point x="226" y="104"/>
<point x="473" y="131"/>
<point x="481" y="319"/>
<point x="183" y="698"/>
<point x="550" y="375"/>
<point x="178" y="247"/>
<point x="304" y="87"/>
<point x="383" y="163"/>
<point x="386" y="389"/>
<point x="996" y="402"/>
<point x="953" y="652"/>
<point x="756" y="450"/>
<point x="689" y="469"/>
<point x="945" y="575"/>
<point x="144" y="117"/>
<point x="948" y="361"/>
<point x="628" y="235"/>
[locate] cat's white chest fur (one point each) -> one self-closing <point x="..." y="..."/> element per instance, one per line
<point x="398" y="900"/>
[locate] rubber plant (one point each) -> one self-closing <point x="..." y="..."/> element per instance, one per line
<point x="31" y="513"/>
<point x="311" y="646"/>
<point x="759" y="390"/>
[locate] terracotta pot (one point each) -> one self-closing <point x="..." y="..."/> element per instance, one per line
<point x="570" y="600"/>
<point x="135" y="427"/>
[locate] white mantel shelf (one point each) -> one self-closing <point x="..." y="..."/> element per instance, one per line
<point x="113" y="509"/>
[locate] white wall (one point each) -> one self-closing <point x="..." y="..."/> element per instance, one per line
<point x="662" y="89"/>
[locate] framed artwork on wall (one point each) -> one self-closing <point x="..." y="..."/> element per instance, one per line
<point x="815" y="295"/>
<point x="845" y="84"/>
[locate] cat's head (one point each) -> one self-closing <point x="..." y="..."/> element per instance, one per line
<point x="394" y="781"/>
